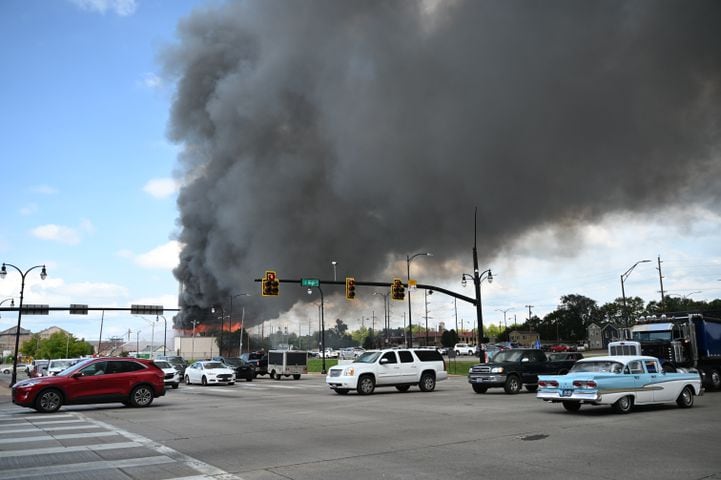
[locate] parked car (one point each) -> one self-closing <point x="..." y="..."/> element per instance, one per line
<point x="559" y="348"/>
<point x="171" y="374"/>
<point x="562" y="356"/>
<point x="464" y="349"/>
<point x="242" y="368"/>
<point x="175" y="360"/>
<point x="38" y="368"/>
<point x="619" y="381"/>
<point x="130" y="381"/>
<point x="59" y="364"/>
<point x="9" y="368"/>
<point x="208" y="372"/>
<point x="389" y="368"/>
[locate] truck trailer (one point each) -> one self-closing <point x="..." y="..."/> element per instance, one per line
<point x="683" y="340"/>
<point x="284" y="363"/>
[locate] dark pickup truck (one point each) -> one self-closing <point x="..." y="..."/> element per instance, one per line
<point x="512" y="369"/>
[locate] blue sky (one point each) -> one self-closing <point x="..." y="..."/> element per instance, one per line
<point x="88" y="189"/>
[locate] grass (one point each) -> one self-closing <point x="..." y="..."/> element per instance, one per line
<point x="454" y="367"/>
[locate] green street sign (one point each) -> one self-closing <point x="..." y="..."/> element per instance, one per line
<point x="309" y="282"/>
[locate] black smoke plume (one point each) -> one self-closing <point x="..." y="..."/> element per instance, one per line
<point x="368" y="130"/>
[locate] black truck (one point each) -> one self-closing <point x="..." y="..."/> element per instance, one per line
<point x="512" y="369"/>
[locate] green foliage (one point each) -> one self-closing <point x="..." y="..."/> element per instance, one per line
<point x="58" y="345"/>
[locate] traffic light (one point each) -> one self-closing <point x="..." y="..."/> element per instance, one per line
<point x="269" y="284"/>
<point x="398" y="292"/>
<point x="350" y="288"/>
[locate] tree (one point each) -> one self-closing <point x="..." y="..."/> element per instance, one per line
<point x="58" y="345"/>
<point x="449" y="338"/>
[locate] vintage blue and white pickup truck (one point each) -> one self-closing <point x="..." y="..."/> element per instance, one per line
<point x="619" y="381"/>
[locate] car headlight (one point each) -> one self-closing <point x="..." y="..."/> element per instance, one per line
<point x="349" y="372"/>
<point x="497" y="370"/>
<point x="470" y="370"/>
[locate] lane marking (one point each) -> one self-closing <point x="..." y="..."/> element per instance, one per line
<point x="83" y="467"/>
<point x="77" y="448"/>
<point x="43" y="438"/>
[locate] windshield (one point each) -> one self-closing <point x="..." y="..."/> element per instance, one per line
<point x="233" y="361"/>
<point x="163" y="364"/>
<point x="209" y="365"/>
<point x="508" y="356"/>
<point x="61" y="364"/>
<point x="75" y="368"/>
<point x="648" y="336"/>
<point x="368" y="357"/>
<point x="598" y="366"/>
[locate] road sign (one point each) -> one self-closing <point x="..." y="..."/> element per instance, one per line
<point x="309" y="282"/>
<point x="146" y="309"/>
<point x="78" y="309"/>
<point x="412" y="285"/>
<point x="30" y="309"/>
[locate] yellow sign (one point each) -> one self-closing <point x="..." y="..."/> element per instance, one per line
<point x="412" y="285"/>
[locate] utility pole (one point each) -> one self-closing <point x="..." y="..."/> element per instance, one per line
<point x="529" y="307"/>
<point x="660" y="279"/>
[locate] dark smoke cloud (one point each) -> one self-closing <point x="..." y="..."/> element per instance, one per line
<point x="364" y="131"/>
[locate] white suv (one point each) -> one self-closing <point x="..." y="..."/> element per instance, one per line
<point x="464" y="349"/>
<point x="389" y="368"/>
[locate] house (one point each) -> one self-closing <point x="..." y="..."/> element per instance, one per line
<point x="7" y="339"/>
<point x="610" y="333"/>
<point x="595" y="340"/>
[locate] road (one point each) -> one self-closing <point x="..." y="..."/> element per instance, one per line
<point x="272" y="430"/>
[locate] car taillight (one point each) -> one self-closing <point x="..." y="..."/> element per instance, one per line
<point x="584" y="384"/>
<point x="547" y="383"/>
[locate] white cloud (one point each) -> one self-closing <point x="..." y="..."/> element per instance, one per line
<point x="44" y="189"/>
<point x="164" y="257"/>
<point x="29" y="209"/>
<point x="57" y="233"/>
<point x="151" y="81"/>
<point x="161" y="187"/>
<point x="122" y="8"/>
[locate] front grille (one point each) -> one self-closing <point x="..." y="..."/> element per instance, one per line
<point x="169" y="376"/>
<point x="335" y="373"/>
<point x="481" y="369"/>
<point x="224" y="377"/>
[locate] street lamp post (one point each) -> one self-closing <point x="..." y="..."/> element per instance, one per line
<point x="477" y="279"/>
<point x="137" y="342"/>
<point x="386" y="314"/>
<point x="192" y="341"/>
<point x="242" y="320"/>
<point x="3" y="273"/>
<point x="322" y="324"/>
<point x="12" y="301"/>
<point x="624" y="276"/>
<point x="505" y="325"/>
<point x="334" y="263"/>
<point x="409" y="259"/>
<point x="165" y="332"/>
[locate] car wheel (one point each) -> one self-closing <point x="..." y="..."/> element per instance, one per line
<point x="479" y="388"/>
<point x="341" y="391"/>
<point x="141" y="396"/>
<point x="366" y="385"/>
<point x="175" y="385"/>
<point x="187" y="380"/>
<point x="48" y="401"/>
<point x="572" y="406"/>
<point x="623" y="404"/>
<point x="513" y="385"/>
<point x="249" y="379"/>
<point x="402" y="388"/>
<point x="203" y="381"/>
<point x="685" y="399"/>
<point x="714" y="379"/>
<point x="427" y="383"/>
<point x="7" y="370"/>
<point x="296" y="376"/>
<point x="231" y="383"/>
<point x="532" y="388"/>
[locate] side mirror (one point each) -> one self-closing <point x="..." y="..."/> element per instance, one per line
<point x="78" y="375"/>
<point x="523" y="360"/>
<point x="383" y="361"/>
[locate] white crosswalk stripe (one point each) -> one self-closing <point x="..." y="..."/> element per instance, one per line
<point x="30" y="448"/>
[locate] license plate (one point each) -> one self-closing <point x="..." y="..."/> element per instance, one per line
<point x="566" y="393"/>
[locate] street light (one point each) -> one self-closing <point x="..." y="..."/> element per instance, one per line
<point x="334" y="263"/>
<point x="137" y="343"/>
<point x="505" y="325"/>
<point x="386" y="314"/>
<point x="242" y="320"/>
<point x="409" y="259"/>
<point x="165" y="333"/>
<point x="3" y="273"/>
<point x="477" y="279"/>
<point x="12" y="302"/>
<point x="322" y="324"/>
<point x="624" y="276"/>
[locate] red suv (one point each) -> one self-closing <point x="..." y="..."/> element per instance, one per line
<point x="130" y="381"/>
